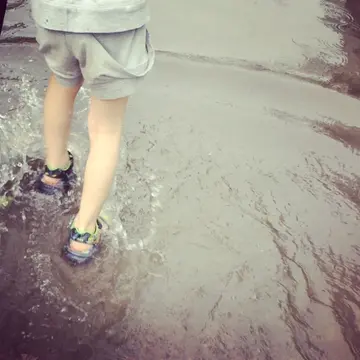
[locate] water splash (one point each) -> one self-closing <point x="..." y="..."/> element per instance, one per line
<point x="131" y="209"/>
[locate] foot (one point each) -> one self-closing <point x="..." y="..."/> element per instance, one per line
<point x="81" y="246"/>
<point x="58" y="180"/>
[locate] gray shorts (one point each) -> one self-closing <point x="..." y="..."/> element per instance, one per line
<point x="112" y="65"/>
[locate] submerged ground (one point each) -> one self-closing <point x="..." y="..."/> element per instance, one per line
<point x="235" y="212"/>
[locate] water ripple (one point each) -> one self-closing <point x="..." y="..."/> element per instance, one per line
<point x="338" y="17"/>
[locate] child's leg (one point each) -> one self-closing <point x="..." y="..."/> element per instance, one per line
<point x="58" y="110"/>
<point x="60" y="96"/>
<point x="105" y="120"/>
<point x="113" y="65"/>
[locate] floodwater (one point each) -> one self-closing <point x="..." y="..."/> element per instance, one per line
<point x="233" y="221"/>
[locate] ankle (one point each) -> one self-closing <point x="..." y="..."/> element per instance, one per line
<point x="62" y="162"/>
<point x="84" y="226"/>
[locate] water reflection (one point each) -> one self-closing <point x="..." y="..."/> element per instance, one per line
<point x="336" y="257"/>
<point x="346" y="78"/>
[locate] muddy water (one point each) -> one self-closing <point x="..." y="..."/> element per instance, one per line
<point x="235" y="222"/>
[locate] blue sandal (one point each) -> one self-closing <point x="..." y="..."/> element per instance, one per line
<point x="82" y="257"/>
<point x="65" y="179"/>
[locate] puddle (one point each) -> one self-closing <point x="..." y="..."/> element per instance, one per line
<point x="234" y="221"/>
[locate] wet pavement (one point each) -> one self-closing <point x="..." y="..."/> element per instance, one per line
<point x="235" y="212"/>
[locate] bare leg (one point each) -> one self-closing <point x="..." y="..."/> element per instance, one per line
<point x="58" y="110"/>
<point x="105" y="120"/>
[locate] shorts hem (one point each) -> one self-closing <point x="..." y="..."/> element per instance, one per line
<point x="68" y="82"/>
<point x="115" y="89"/>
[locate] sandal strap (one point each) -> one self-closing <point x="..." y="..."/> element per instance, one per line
<point x="86" y="238"/>
<point x="60" y="173"/>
